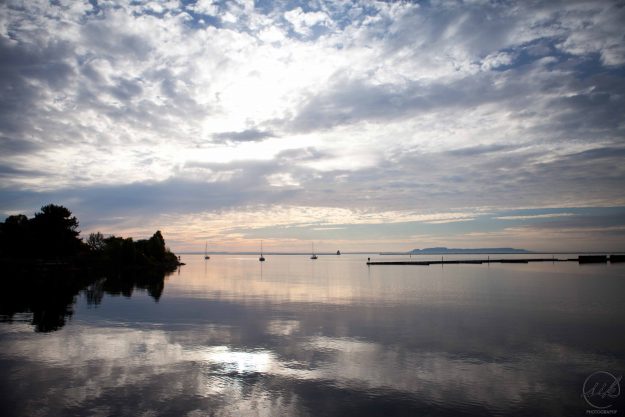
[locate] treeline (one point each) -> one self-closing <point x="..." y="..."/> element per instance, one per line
<point x="46" y="265"/>
<point x="52" y="235"/>
<point x="125" y="251"/>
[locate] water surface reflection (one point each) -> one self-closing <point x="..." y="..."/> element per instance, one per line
<point x="293" y="337"/>
<point x="46" y="297"/>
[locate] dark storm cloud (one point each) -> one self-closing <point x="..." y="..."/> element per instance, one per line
<point x="596" y="113"/>
<point x="46" y="62"/>
<point x="22" y="67"/>
<point x="104" y="37"/>
<point x="11" y="146"/>
<point x="9" y="171"/>
<point x="610" y="153"/>
<point x="480" y="150"/>
<point x="249" y="135"/>
<point x="593" y="109"/>
<point x="612" y="220"/>
<point x="247" y="186"/>
<point x="498" y="176"/>
<point x="124" y="89"/>
<point x="352" y="101"/>
<point x="173" y="195"/>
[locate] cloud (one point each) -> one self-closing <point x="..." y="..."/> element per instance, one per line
<point x="249" y="135"/>
<point x="391" y="107"/>
<point x="282" y="180"/>
<point x="471" y="151"/>
<point x="207" y="7"/>
<point x="535" y="216"/>
<point x="595" y="30"/>
<point x="303" y="23"/>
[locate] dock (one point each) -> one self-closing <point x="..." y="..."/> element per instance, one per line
<point x="582" y="259"/>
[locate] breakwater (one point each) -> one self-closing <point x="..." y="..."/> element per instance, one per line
<point x="582" y="259"/>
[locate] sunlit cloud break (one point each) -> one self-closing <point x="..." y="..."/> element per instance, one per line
<point x="354" y="122"/>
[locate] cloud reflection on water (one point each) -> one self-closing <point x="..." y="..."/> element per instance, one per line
<point x="229" y="342"/>
<point x="96" y="362"/>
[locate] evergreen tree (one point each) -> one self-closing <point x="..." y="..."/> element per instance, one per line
<point x="55" y="232"/>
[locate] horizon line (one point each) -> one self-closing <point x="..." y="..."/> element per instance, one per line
<point x="401" y="253"/>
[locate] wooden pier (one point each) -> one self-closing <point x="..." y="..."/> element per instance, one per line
<point x="582" y="259"/>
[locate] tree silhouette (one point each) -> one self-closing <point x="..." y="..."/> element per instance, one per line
<point x="114" y="265"/>
<point x="53" y="235"/>
<point x="95" y="242"/>
<point x="15" y="236"/>
<point x="55" y="232"/>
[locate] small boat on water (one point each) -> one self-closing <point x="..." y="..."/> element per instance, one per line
<point x="206" y="251"/>
<point x="314" y="256"/>
<point x="262" y="258"/>
<point x="338" y="252"/>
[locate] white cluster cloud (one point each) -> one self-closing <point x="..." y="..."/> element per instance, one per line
<point x="365" y="105"/>
<point x="303" y="22"/>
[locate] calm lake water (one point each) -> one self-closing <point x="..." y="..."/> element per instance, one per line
<point x="294" y="337"/>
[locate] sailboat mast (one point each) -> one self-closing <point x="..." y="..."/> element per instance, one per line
<point x="313" y="256"/>
<point x="262" y="258"/>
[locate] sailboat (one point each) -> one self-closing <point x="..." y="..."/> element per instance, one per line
<point x="313" y="252"/>
<point x="206" y="251"/>
<point x="262" y="258"/>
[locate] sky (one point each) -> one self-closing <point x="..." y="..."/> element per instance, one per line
<point x="356" y="125"/>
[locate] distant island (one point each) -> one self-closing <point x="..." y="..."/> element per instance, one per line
<point x="443" y="250"/>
